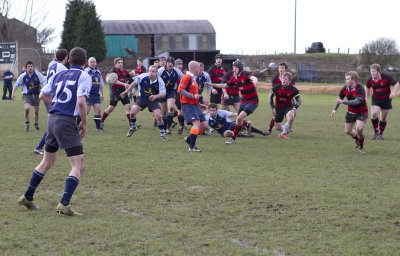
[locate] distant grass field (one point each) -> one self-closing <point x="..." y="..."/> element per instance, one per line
<point x="313" y="194"/>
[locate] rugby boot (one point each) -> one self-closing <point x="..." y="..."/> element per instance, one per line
<point x="194" y="150"/>
<point x="131" y="130"/>
<point x="230" y="141"/>
<point x="28" y="204"/>
<point x="67" y="210"/>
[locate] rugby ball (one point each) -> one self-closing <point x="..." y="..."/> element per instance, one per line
<point x="111" y="78"/>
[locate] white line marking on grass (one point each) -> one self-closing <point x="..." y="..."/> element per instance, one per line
<point x="256" y="248"/>
<point x="138" y="214"/>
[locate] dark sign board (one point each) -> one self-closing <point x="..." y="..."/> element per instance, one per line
<point x="7" y="52"/>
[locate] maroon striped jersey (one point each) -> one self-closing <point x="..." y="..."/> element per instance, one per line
<point x="216" y="74"/>
<point x="140" y="70"/>
<point x="284" y="95"/>
<point x="230" y="90"/>
<point x="381" y="88"/>
<point x="245" y="85"/>
<point x="123" y="76"/>
<point x="353" y="93"/>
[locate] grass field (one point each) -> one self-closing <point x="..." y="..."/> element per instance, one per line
<point x="313" y="194"/>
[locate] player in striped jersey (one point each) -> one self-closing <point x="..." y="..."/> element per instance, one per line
<point x="381" y="98"/>
<point x="246" y="83"/>
<point x="216" y="73"/>
<point x="286" y="104"/>
<point x="116" y="89"/>
<point x="357" y="110"/>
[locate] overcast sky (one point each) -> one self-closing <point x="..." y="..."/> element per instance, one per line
<point x="264" y="26"/>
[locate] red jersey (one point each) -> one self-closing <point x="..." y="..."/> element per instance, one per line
<point x="245" y="85"/>
<point x="353" y="93"/>
<point x="123" y="76"/>
<point x="284" y="95"/>
<point x="381" y="88"/>
<point x="232" y="91"/>
<point x="140" y="70"/>
<point x="217" y="75"/>
<point x="189" y="84"/>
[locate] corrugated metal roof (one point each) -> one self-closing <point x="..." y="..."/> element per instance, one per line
<point x="145" y="27"/>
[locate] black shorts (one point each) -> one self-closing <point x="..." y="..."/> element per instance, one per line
<point x="115" y="97"/>
<point x="231" y="100"/>
<point x="281" y="113"/>
<point x="216" y="98"/>
<point x="353" y="117"/>
<point x="178" y="101"/>
<point x="383" y="104"/>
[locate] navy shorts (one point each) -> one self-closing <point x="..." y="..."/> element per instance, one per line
<point x="192" y="112"/>
<point x="229" y="127"/>
<point x="247" y="107"/>
<point x="170" y="95"/>
<point x="145" y="103"/>
<point x="93" y="99"/>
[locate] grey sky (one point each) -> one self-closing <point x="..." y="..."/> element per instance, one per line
<point x="263" y="26"/>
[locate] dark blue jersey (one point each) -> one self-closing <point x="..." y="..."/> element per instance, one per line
<point x="54" y="68"/>
<point x="65" y="87"/>
<point x="97" y="80"/>
<point x="201" y="79"/>
<point x="32" y="83"/>
<point x="8" y="81"/>
<point x="170" y="78"/>
<point x="146" y="87"/>
<point x="221" y="121"/>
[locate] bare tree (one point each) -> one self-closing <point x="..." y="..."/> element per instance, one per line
<point x="31" y="14"/>
<point x="383" y="51"/>
<point x="46" y="35"/>
<point x="4" y="8"/>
